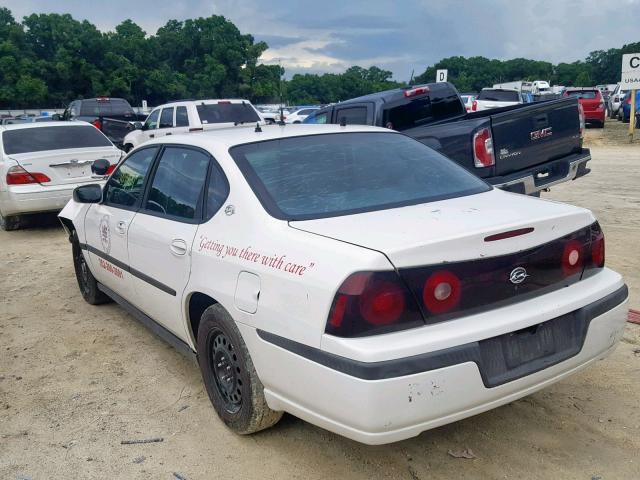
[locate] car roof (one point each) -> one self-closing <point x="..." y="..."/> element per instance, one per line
<point x="53" y="123"/>
<point x="501" y="89"/>
<point x="208" y="101"/>
<point x="239" y="135"/>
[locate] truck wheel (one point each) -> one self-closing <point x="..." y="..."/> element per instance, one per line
<point x="86" y="281"/>
<point x="236" y="392"/>
<point x="10" y="223"/>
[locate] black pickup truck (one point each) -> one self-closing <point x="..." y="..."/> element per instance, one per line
<point x="112" y="116"/>
<point x="521" y="148"/>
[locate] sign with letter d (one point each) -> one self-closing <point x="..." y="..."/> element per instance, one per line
<point x="441" y="75"/>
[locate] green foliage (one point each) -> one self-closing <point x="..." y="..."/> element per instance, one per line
<point x="51" y="59"/>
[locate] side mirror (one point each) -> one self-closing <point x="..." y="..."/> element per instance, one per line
<point x="56" y="117"/>
<point x="88" y="193"/>
<point x="138" y="126"/>
<point x="100" y="166"/>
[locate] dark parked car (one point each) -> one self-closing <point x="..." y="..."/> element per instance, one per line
<point x="112" y="116"/>
<point x="521" y="148"/>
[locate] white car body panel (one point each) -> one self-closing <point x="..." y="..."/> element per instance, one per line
<point x="66" y="168"/>
<point x="281" y="277"/>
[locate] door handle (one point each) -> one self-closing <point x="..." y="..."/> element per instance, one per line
<point x="178" y="246"/>
<point x="121" y="227"/>
<point x="151" y="135"/>
<point x="168" y="133"/>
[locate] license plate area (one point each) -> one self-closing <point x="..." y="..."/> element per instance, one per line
<point x="523" y="352"/>
<point x="548" y="174"/>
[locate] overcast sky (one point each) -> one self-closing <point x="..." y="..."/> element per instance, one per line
<point x="401" y="35"/>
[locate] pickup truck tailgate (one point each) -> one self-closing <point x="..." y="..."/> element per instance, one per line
<point x="535" y="134"/>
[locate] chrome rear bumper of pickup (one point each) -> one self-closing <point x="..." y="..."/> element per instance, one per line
<point x="533" y="180"/>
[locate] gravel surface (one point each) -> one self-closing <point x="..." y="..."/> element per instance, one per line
<point x="76" y="381"/>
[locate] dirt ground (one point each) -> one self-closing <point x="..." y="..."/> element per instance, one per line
<point x="76" y="380"/>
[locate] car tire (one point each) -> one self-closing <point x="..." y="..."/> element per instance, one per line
<point x="236" y="392"/>
<point x="86" y="281"/>
<point x="13" y="222"/>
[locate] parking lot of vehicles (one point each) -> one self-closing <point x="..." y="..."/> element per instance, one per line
<point x="592" y="104"/>
<point x="615" y="101"/>
<point x="467" y="99"/>
<point x="191" y="116"/>
<point x="42" y="163"/>
<point x="522" y="148"/>
<point x="299" y="115"/>
<point x="112" y="116"/>
<point x="624" y="112"/>
<point x="366" y="276"/>
<point x="490" y="98"/>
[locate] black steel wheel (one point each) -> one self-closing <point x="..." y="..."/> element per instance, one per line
<point x="231" y="380"/>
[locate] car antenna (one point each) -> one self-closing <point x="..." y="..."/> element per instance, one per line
<point x="343" y="122"/>
<point x="258" y="129"/>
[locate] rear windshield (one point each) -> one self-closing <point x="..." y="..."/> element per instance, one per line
<point x="586" y="94"/>
<point x="422" y="110"/>
<point x="318" y="176"/>
<point x="499" y="95"/>
<point x="227" y="113"/>
<point x="52" y="138"/>
<point x="104" y="108"/>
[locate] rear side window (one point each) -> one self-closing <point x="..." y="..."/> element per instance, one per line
<point x="227" y="113"/>
<point x="318" y="176"/>
<point x="421" y="110"/>
<point x="52" y="138"/>
<point x="166" y="118"/>
<point x="352" y="116"/>
<point x="182" y="117"/>
<point x="499" y="95"/>
<point x="178" y="184"/>
<point x="126" y="184"/>
<point x="218" y="190"/>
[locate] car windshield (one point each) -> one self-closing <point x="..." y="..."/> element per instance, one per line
<point x="105" y="107"/>
<point x="227" y="113"/>
<point x="586" y="94"/>
<point x="317" y="176"/>
<point x="499" y="95"/>
<point x="25" y="140"/>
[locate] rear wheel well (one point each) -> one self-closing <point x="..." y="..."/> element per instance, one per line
<point x="198" y="303"/>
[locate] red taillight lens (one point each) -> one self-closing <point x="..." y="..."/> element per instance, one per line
<point x="581" y="119"/>
<point x="597" y="251"/>
<point x="111" y="168"/>
<point x="19" y="176"/>
<point x="96" y="123"/>
<point x="474" y="106"/>
<point x="483" y="148"/>
<point x="572" y="258"/>
<point x="372" y="302"/>
<point x="413" y="92"/>
<point x="441" y="292"/>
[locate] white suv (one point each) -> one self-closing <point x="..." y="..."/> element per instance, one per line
<point x="191" y="116"/>
<point x="41" y="164"/>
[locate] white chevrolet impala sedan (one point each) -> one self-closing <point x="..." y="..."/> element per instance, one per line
<point x="350" y="276"/>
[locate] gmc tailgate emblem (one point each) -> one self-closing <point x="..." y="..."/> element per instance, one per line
<point x="543" y="133"/>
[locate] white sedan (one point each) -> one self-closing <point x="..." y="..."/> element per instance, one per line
<point x="350" y="276"/>
<point x="41" y="164"/>
<point x="298" y="116"/>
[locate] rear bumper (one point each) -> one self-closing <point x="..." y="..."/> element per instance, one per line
<point x="540" y="177"/>
<point x="21" y="199"/>
<point x="594" y="115"/>
<point x="394" y="405"/>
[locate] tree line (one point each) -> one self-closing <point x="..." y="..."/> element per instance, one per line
<point x="48" y="60"/>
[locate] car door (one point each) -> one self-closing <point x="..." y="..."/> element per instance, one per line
<point x="162" y="234"/>
<point x="165" y="124"/>
<point x="107" y="223"/>
<point x="150" y="126"/>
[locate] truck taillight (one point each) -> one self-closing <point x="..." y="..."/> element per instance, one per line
<point x="96" y="123"/>
<point x="474" y="106"/>
<point x="581" y="120"/>
<point x="372" y="302"/>
<point x="17" y="175"/>
<point x="483" y="148"/>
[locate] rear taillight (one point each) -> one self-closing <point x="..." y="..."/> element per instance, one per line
<point x="597" y="251"/>
<point x="17" y="175"/>
<point x="441" y="292"/>
<point x="572" y="257"/>
<point x="372" y="302"/>
<point x="111" y="169"/>
<point x="581" y="120"/>
<point x="474" y="106"/>
<point x="483" y="148"/>
<point x="96" y="123"/>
